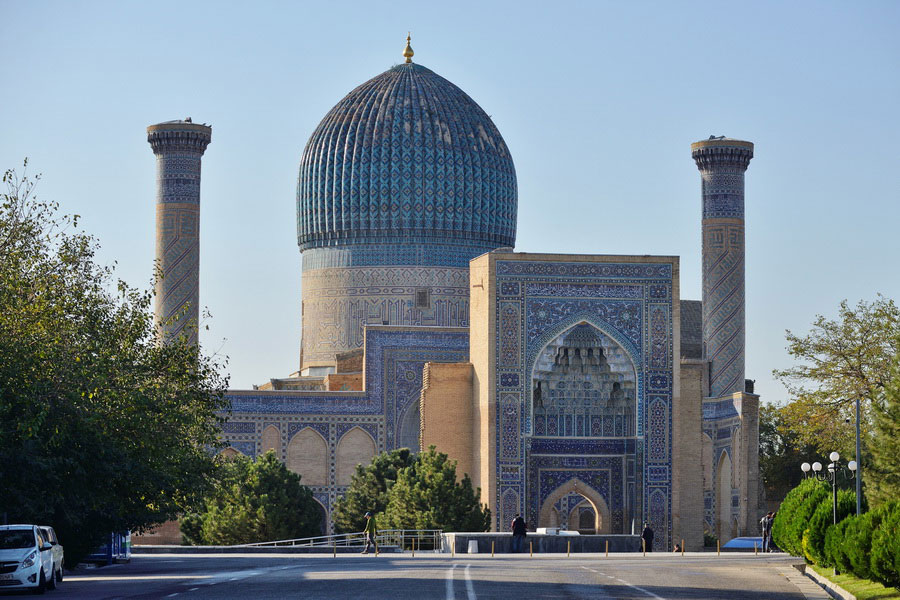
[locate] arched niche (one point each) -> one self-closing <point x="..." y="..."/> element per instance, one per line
<point x="584" y="384"/>
<point x="594" y="499"/>
<point x="229" y="453"/>
<point x="356" y="447"/>
<point x="307" y="455"/>
<point x="323" y="518"/>
<point x="723" y="497"/>
<point x="410" y="427"/>
<point x="271" y="440"/>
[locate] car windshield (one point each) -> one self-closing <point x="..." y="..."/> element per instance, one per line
<point x="16" y="538"/>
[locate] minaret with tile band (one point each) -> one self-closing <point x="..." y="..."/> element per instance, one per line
<point x="722" y="163"/>
<point x="178" y="146"/>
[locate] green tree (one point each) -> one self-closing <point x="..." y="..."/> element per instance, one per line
<point x="823" y="519"/>
<point x="882" y="475"/>
<point x="254" y="501"/>
<point x="368" y="489"/>
<point x="101" y="428"/>
<point x="781" y="452"/>
<point x="792" y="518"/>
<point x="840" y="360"/>
<point x="427" y="495"/>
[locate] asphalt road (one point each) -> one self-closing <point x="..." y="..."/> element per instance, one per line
<point x="442" y="577"/>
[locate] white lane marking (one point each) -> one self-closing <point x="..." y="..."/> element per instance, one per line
<point x="172" y="595"/>
<point x="470" y="590"/>
<point x="450" y="582"/>
<point x="193" y="589"/>
<point x="640" y="589"/>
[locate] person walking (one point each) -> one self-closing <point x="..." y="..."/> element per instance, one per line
<point x="647" y="538"/>
<point x="518" y="533"/>
<point x="370" y="532"/>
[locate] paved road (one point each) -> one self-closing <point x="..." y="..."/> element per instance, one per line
<point x="464" y="577"/>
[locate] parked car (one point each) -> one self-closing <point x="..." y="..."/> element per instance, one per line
<point x="57" y="551"/>
<point x="26" y="558"/>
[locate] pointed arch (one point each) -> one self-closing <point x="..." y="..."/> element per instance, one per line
<point x="307" y="455"/>
<point x="723" y="496"/>
<point x="271" y="440"/>
<point x="229" y="453"/>
<point x="356" y="447"/>
<point x="594" y="498"/>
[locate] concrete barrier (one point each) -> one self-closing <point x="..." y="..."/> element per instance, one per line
<point x="463" y="542"/>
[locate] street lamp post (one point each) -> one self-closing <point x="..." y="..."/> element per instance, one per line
<point x="858" y="465"/>
<point x="834" y="467"/>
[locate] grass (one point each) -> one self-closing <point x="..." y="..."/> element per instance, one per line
<point x="863" y="589"/>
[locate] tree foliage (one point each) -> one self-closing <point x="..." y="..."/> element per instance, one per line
<point x="885" y="560"/>
<point x="882" y="476"/>
<point x="254" y="501"/>
<point x="793" y="515"/>
<point x="101" y="428"/>
<point x="781" y="451"/>
<point x="840" y="360"/>
<point x="823" y="520"/>
<point x="369" y="489"/>
<point x="427" y="495"/>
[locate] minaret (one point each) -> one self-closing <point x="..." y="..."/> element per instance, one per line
<point x="722" y="162"/>
<point x="178" y="146"/>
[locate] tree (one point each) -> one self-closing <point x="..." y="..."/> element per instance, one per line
<point x="792" y="518"/>
<point x="102" y="428"/>
<point x="368" y="489"/>
<point x="781" y="452"/>
<point x="428" y="496"/>
<point x="883" y="473"/>
<point x="840" y="360"/>
<point x="254" y="501"/>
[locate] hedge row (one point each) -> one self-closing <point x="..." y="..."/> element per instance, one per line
<point x="867" y="546"/>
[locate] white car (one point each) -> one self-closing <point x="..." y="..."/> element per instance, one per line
<point x="58" y="554"/>
<point x="26" y="559"/>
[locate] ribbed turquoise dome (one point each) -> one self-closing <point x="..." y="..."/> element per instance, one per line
<point x="406" y="157"/>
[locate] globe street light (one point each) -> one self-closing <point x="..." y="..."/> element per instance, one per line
<point x="834" y="467"/>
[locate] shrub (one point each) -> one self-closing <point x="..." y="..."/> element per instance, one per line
<point x="885" y="555"/>
<point x="858" y="543"/>
<point x="823" y="519"/>
<point x="836" y="544"/>
<point x="792" y="519"/>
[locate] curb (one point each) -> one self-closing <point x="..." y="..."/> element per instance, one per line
<point x="833" y="589"/>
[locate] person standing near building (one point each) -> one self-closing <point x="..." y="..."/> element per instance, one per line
<point x="518" y="533"/>
<point x="370" y="532"/>
<point x="765" y="525"/>
<point x="647" y="538"/>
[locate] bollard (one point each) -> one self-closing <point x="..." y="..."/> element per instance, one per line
<point x="531" y="549"/>
<point x="334" y="551"/>
<point x="682" y="546"/>
<point x="607" y="548"/>
<point x="453" y="548"/>
<point x="414" y="547"/>
<point x="568" y="549"/>
<point x="755" y="553"/>
<point x="644" y="546"/>
<point x="718" y="548"/>
<point x="492" y="549"/>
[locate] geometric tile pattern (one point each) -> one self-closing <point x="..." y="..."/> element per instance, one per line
<point x="406" y="156"/>
<point x="631" y="305"/>
<point x="722" y="164"/>
<point x="338" y="302"/>
<point x="178" y="147"/>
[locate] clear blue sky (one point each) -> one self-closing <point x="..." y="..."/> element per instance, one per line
<point x="598" y="102"/>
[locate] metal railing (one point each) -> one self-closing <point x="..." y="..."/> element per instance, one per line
<point x="403" y="539"/>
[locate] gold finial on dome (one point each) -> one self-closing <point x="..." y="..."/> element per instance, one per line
<point x="408" y="51"/>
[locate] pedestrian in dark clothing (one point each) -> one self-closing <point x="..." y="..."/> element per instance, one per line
<point x="518" y="533"/>
<point x="765" y="526"/>
<point x="647" y="538"/>
<point x="370" y="532"/>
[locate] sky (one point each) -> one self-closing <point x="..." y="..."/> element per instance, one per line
<point x="597" y="101"/>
